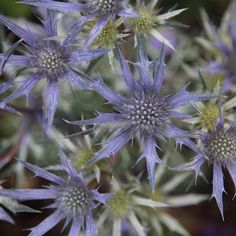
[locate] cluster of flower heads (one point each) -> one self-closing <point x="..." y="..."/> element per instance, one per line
<point x="143" y="112"/>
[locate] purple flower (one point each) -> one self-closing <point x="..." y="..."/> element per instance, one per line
<point x="218" y="148"/>
<point x="226" y="64"/>
<point x="103" y="10"/>
<point x="73" y="200"/>
<point x="145" y="114"/>
<point x="49" y="59"/>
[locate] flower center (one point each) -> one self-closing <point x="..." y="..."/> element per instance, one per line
<point x="119" y="203"/>
<point x="146" y="113"/>
<point x="105" y="6"/>
<point x="74" y="198"/>
<point x="208" y="115"/>
<point x="107" y="36"/>
<point x="142" y="24"/>
<point x="50" y="60"/>
<point x="221" y="147"/>
<point x="48" y="57"/>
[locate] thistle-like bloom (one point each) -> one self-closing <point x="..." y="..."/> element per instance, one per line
<point x="145" y="113"/>
<point x="48" y="59"/>
<point x="225" y="63"/>
<point x="73" y="200"/>
<point x="127" y="205"/>
<point x="149" y="21"/>
<point x="218" y="148"/>
<point x="102" y="10"/>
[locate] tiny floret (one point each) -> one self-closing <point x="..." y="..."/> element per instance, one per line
<point x="105" y="6"/>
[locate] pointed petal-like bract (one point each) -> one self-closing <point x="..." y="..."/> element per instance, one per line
<point x="47" y="224"/>
<point x="4" y="216"/>
<point x="38" y="171"/>
<point x="101" y="119"/>
<point x="50" y="24"/>
<point x="112" y="96"/>
<point x="152" y="158"/>
<point x="28" y="37"/>
<point x="67" y="164"/>
<point x="52" y="95"/>
<point x="75" y="227"/>
<point x="125" y="71"/>
<point x="85" y="55"/>
<point x="218" y="186"/>
<point x="28" y="194"/>
<point x="55" y="5"/>
<point x="96" y="30"/>
<point x="102" y="198"/>
<point x="113" y="146"/>
<point x="24" y="89"/>
<point x="159" y="70"/>
<point x="90" y="226"/>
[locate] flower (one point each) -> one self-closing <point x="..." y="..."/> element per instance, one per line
<point x="149" y="20"/>
<point x="218" y="148"/>
<point x="102" y="10"/>
<point x="49" y="59"/>
<point x="126" y="208"/>
<point x="73" y="200"/>
<point x="144" y="114"/>
<point x="224" y="41"/>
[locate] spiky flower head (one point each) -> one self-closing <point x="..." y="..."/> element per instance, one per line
<point x="149" y="20"/>
<point x="128" y="205"/>
<point x="222" y="41"/>
<point x="145" y="114"/>
<point x="100" y="10"/>
<point x="218" y="148"/>
<point x="119" y="203"/>
<point x="73" y="200"/>
<point x="48" y="58"/>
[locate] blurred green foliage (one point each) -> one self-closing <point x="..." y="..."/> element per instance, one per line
<point x="8" y="7"/>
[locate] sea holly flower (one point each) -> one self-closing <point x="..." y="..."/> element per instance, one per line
<point x="73" y="200"/>
<point x="145" y="114"/>
<point x="208" y="113"/>
<point x="49" y="59"/>
<point x="101" y="10"/>
<point x="218" y="148"/>
<point x="149" y="20"/>
<point x="222" y="42"/>
<point x="127" y="206"/>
